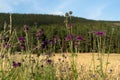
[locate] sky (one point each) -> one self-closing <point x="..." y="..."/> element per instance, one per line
<point x="90" y="9"/>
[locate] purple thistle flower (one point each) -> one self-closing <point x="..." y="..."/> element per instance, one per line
<point x="21" y="39"/>
<point x="100" y="33"/>
<point x="49" y="61"/>
<point x="19" y="64"/>
<point x="79" y="38"/>
<point x="44" y="44"/>
<point x="15" y="64"/>
<point x="39" y="34"/>
<point x="69" y="37"/>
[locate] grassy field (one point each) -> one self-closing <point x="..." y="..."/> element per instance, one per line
<point x="80" y="59"/>
<point x="86" y="65"/>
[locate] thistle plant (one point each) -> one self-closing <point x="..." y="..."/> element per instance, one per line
<point x="26" y="30"/>
<point x="70" y="38"/>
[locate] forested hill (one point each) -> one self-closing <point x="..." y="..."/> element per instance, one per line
<point x="39" y="19"/>
<point x="19" y="20"/>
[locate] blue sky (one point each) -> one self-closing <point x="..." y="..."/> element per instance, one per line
<point x="90" y="9"/>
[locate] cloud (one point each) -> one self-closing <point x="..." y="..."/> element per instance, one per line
<point x="57" y="13"/>
<point x="61" y="8"/>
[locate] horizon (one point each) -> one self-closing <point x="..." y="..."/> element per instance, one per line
<point x="93" y="10"/>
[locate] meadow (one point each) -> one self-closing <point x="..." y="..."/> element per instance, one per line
<point x="60" y="53"/>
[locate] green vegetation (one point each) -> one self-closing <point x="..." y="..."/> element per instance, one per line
<point x="56" y="26"/>
<point x="36" y="44"/>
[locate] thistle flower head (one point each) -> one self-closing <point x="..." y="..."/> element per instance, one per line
<point x="70" y="12"/>
<point x="16" y="64"/>
<point x="69" y="37"/>
<point x="49" y="61"/>
<point x="100" y="33"/>
<point x="44" y="44"/>
<point x="39" y="33"/>
<point x="21" y="39"/>
<point x="66" y="14"/>
<point x="79" y="38"/>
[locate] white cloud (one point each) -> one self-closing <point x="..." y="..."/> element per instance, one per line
<point x="59" y="10"/>
<point x="57" y="13"/>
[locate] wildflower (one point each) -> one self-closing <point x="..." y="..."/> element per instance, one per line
<point x="39" y="33"/>
<point x="26" y="28"/>
<point x="66" y="14"/>
<point x="100" y="33"/>
<point x="16" y="64"/>
<point x="49" y="61"/>
<point x="70" y="12"/>
<point x="21" y="39"/>
<point x="69" y="37"/>
<point x="19" y="64"/>
<point x="44" y="44"/>
<point x="79" y="38"/>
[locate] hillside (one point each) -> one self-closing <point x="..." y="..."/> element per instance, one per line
<point x="38" y="19"/>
